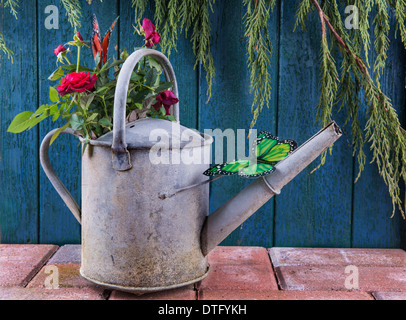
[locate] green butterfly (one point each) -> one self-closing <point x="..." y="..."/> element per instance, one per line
<point x="267" y="150"/>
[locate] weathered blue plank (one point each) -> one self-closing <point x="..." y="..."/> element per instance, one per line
<point x="372" y="225"/>
<point x="18" y="153"/>
<point x="314" y="209"/>
<point x="230" y="108"/>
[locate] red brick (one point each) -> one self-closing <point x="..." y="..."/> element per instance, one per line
<point x="337" y="256"/>
<point x="235" y="268"/>
<point x="333" y="278"/>
<point x="68" y="275"/>
<point x="238" y="255"/>
<point x="186" y="293"/>
<point x="18" y="293"/>
<point x="236" y="277"/>
<point x="282" y="295"/>
<point x="20" y="262"/>
<point x="389" y="295"/>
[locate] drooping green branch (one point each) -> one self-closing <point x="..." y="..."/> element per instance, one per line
<point x="12" y="5"/>
<point x="383" y="130"/>
<point x="74" y="12"/>
<point x="5" y="49"/>
<point x="259" y="49"/>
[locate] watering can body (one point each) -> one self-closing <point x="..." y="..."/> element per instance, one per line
<point x="131" y="238"/>
<point x="135" y="238"/>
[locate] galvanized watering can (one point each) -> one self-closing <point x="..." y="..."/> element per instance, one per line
<point x="135" y="238"/>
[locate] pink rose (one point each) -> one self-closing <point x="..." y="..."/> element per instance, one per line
<point x="79" y="36"/>
<point x="60" y="49"/>
<point x="166" y="99"/>
<point x="151" y="37"/>
<point x="77" y="82"/>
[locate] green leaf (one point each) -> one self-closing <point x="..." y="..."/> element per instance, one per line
<point x="105" y="122"/>
<point x="92" y="117"/>
<point x="151" y="77"/>
<point x="21" y="122"/>
<point x="58" y="132"/>
<point x="58" y="73"/>
<point x="86" y="100"/>
<point x="53" y="94"/>
<point x="164" y="86"/>
<point x="76" y="122"/>
<point x="154" y="64"/>
<point x="140" y="96"/>
<point x="72" y="67"/>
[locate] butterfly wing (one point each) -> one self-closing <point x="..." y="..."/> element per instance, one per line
<point x="255" y="170"/>
<point x="96" y="40"/>
<point x="279" y="151"/>
<point x="228" y="168"/>
<point x="106" y="41"/>
<point x="264" y="142"/>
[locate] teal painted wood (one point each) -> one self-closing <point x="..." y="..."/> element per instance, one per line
<point x="57" y="224"/>
<point x="372" y="205"/>
<point x="314" y="209"/>
<point x="230" y="107"/>
<point x="18" y="153"/>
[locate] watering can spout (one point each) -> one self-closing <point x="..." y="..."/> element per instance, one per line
<point x="224" y="220"/>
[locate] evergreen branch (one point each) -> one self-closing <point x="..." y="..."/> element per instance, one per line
<point x="400" y="15"/>
<point x="201" y="36"/>
<point x="259" y="53"/>
<point x="303" y="10"/>
<point x="381" y="43"/>
<point x="140" y="6"/>
<point x="12" y="4"/>
<point x="5" y="49"/>
<point x="74" y="12"/>
<point x="383" y="129"/>
<point x="167" y="20"/>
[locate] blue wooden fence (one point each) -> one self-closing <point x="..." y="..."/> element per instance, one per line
<point x="324" y="208"/>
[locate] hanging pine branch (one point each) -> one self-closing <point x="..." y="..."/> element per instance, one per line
<point x="383" y="130"/>
<point x="74" y="12"/>
<point x="259" y="50"/>
<point x="12" y="6"/>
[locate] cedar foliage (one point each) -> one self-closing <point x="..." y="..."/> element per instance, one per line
<point x="342" y="81"/>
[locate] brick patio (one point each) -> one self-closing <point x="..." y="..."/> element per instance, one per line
<point x="237" y="273"/>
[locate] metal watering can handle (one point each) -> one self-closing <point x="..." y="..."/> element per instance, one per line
<point x="121" y="156"/>
<point x="56" y="182"/>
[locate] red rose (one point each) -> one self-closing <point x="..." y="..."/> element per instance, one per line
<point x="167" y="99"/>
<point x="77" y="82"/>
<point x="151" y="37"/>
<point x="60" y="49"/>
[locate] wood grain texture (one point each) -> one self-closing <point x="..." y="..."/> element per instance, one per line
<point x="18" y="152"/>
<point x="230" y="108"/>
<point x="315" y="208"/>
